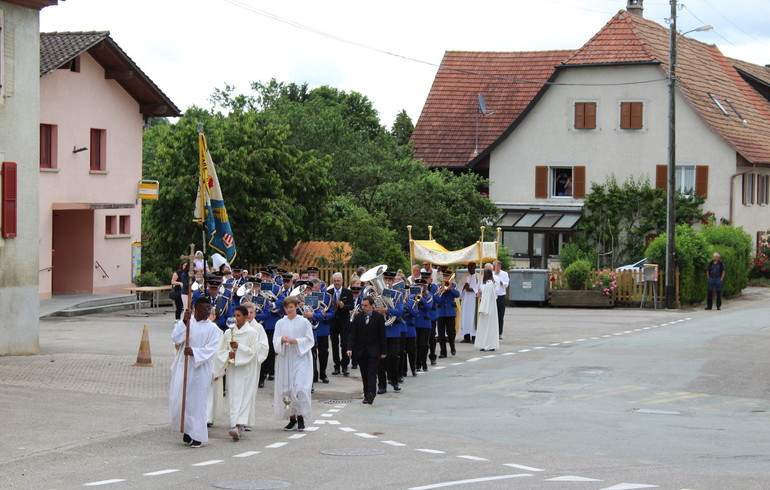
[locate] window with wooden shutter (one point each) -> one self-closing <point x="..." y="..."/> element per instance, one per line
<point x="585" y="115"/>
<point x="125" y="224"/>
<point x="98" y="150"/>
<point x="748" y="189"/>
<point x="110" y="225"/>
<point x="579" y="182"/>
<point x="701" y="180"/>
<point x="631" y="115"/>
<point x="48" y="145"/>
<point x="661" y="177"/>
<point x="10" y="199"/>
<point x="541" y="182"/>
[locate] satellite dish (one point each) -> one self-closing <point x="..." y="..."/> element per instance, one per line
<point x="482" y="104"/>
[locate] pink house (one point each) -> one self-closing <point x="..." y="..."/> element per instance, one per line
<point x="94" y="104"/>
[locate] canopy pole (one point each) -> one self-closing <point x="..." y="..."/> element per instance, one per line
<point x="481" y="248"/>
<point x="411" y="246"/>
<point x="497" y="247"/>
<point x="430" y="232"/>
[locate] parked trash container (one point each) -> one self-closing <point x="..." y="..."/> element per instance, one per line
<point x="528" y="285"/>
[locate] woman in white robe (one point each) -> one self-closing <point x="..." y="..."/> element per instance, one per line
<point x="487" y="337"/>
<point x="293" y="340"/>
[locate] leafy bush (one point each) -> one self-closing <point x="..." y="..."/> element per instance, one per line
<point x="606" y="282"/>
<point x="760" y="265"/>
<point x="693" y="253"/>
<point x="734" y="246"/>
<point x="577" y="274"/>
<point x="147" y="279"/>
<point x="574" y="251"/>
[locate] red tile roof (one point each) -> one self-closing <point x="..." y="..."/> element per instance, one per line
<point x="445" y="133"/>
<point x="701" y="70"/>
<point x="306" y="254"/>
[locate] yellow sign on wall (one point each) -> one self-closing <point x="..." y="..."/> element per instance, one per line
<point x="148" y="189"/>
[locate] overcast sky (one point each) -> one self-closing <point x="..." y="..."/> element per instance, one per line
<point x="190" y="47"/>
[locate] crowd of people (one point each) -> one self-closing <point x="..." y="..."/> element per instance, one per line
<point x="275" y="325"/>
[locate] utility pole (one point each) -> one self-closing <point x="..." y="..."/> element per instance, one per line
<point x="671" y="194"/>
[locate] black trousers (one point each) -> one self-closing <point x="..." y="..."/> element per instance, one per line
<point x="268" y="365"/>
<point x="179" y="307"/>
<point x="388" y="370"/>
<point x="322" y="355"/>
<point x="423" y="335"/>
<point x="410" y="354"/>
<point x="369" y="366"/>
<point x="502" y="301"/>
<point x="432" y="339"/>
<point x="446" y="331"/>
<point x="339" y="342"/>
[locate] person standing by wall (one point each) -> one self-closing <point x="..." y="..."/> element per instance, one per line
<point x="715" y="273"/>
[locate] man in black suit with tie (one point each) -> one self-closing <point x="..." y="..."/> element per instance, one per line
<point x="368" y="345"/>
<point x="339" y="325"/>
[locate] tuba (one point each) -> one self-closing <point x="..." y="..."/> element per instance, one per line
<point x="244" y="292"/>
<point x="375" y="277"/>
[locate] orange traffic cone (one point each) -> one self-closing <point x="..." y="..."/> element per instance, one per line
<point x="144" y="358"/>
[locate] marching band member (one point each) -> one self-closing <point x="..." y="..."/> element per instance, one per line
<point x="341" y="305"/>
<point x="389" y="369"/>
<point x="312" y="272"/>
<point x="409" y="341"/>
<point x="432" y="289"/>
<point x="270" y="315"/>
<point x="320" y="320"/>
<point x="447" y="312"/>
<point x="355" y="289"/>
<point x="421" y="311"/>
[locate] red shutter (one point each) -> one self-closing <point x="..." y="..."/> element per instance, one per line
<point x="590" y="115"/>
<point x="702" y="180"/>
<point x="541" y="182"/>
<point x="580" y="118"/>
<point x="661" y="177"/>
<point x="579" y="182"/>
<point x="10" y="197"/>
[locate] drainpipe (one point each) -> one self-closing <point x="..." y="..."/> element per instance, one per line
<point x="732" y="188"/>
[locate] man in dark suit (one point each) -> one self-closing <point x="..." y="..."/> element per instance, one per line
<point x="342" y="304"/>
<point x="368" y="345"/>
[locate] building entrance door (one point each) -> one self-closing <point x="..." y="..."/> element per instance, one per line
<point x="73" y="252"/>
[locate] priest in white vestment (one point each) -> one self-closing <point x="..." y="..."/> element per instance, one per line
<point x="238" y="356"/>
<point x="199" y="355"/>
<point x="293" y="340"/>
<point x="468" y="286"/>
<point x="487" y="337"/>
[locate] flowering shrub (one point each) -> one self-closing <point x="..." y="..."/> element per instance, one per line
<point x="605" y="282"/>
<point x="760" y="265"/>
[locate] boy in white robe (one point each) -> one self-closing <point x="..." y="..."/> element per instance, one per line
<point x="293" y="340"/>
<point x="237" y="355"/>
<point x="199" y="354"/>
<point x="262" y="353"/>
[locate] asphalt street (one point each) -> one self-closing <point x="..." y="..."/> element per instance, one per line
<point x="573" y="399"/>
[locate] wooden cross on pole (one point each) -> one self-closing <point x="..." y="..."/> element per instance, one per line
<point x="187" y="324"/>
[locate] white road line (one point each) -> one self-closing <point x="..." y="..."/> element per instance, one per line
<point x="556" y="344"/>
<point x="629" y="486"/>
<point x="435" y="368"/>
<point x="394" y="443"/>
<point x="321" y="422"/>
<point x="473" y="458"/>
<point x="490" y="356"/>
<point x="209" y="462"/>
<point x="276" y="445"/>
<point x="472" y="480"/>
<point x="538" y="348"/>
<point x="431" y="451"/>
<point x="572" y="478"/>
<point x="312" y="429"/>
<point x="339" y="406"/>
<point x="365" y="435"/>
<point x="605" y="336"/>
<point x="161" y="472"/>
<point x="594" y="338"/>
<point x="522" y="467"/>
<point x="580" y="340"/>
<point x="453" y="364"/>
<point x="526" y="350"/>
<point x="246" y="454"/>
<point x="333" y="410"/>
<point x="103" y="482"/>
<point x="327" y="415"/>
<point x="474" y="359"/>
<point x="509" y="353"/>
<point x="297" y="436"/>
<point x="347" y="429"/>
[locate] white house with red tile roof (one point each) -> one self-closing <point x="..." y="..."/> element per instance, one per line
<point x="607" y="115"/>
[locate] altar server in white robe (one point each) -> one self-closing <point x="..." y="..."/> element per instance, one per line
<point x="238" y="356"/>
<point x="264" y="349"/>
<point x="293" y="340"/>
<point x="469" y="286"/>
<point x="487" y="337"/>
<point x="199" y="355"/>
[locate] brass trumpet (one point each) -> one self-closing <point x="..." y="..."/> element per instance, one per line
<point x="447" y="284"/>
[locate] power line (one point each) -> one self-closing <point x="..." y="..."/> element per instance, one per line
<point x="733" y="24"/>
<point x="334" y="37"/>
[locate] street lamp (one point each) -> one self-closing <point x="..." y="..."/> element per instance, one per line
<point x="671" y="190"/>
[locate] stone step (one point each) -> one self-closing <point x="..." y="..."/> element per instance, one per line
<point x="85" y="309"/>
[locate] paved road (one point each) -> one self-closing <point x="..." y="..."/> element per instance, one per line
<point x="574" y="399"/>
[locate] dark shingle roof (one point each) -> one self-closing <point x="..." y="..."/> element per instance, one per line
<point x="59" y="48"/>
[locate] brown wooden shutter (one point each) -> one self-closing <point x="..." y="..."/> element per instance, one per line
<point x="661" y="177"/>
<point x="10" y="198"/>
<point x="625" y="115"/>
<point x="579" y="182"/>
<point x="590" y="115"/>
<point x="580" y="117"/>
<point x="701" y="180"/>
<point x="637" y="110"/>
<point x="541" y="181"/>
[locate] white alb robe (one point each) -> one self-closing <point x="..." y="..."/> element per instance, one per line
<point x="487" y="336"/>
<point x="293" y="367"/>
<point x="243" y="375"/>
<point x="468" y="303"/>
<point x="204" y="338"/>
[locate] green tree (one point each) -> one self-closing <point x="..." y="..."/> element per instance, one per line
<point x="693" y="252"/>
<point x="402" y="128"/>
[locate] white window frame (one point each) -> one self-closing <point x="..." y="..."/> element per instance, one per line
<point x="749" y="186"/>
<point x="763" y="189"/>
<point x="682" y="171"/>
<point x="552" y="179"/>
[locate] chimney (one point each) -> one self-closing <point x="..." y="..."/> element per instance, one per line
<point x="635" y="7"/>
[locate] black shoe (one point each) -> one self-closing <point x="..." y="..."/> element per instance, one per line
<point x="345" y="372"/>
<point x="336" y="371"/>
<point x="270" y="377"/>
<point x="186" y="439"/>
<point x="354" y="366"/>
<point x="425" y="368"/>
<point x="195" y="444"/>
<point x="482" y="350"/>
<point x="209" y="424"/>
<point x="454" y="351"/>
<point x="291" y="424"/>
<point x="719" y="308"/>
<point x="414" y="373"/>
<point x="707" y="308"/>
<point x="261" y="384"/>
<point x="325" y="380"/>
<point x="401" y="379"/>
<point x="432" y="363"/>
<point x="382" y="391"/>
<point x="491" y="350"/>
<point x="366" y="401"/>
<point x="300" y="423"/>
<point x="441" y="356"/>
<point x="396" y="387"/>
